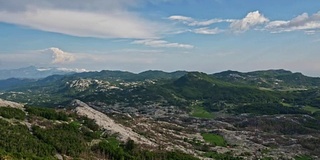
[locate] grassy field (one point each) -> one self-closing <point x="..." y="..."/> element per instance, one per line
<point x="198" y="111"/>
<point x="311" y="109"/>
<point x="214" y="139"/>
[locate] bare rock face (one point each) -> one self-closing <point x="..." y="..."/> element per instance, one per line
<point x="4" y="103"/>
<point x="107" y="123"/>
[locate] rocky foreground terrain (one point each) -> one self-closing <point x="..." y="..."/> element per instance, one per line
<point x="248" y="137"/>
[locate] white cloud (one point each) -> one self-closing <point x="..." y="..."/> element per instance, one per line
<point x="276" y="24"/>
<point x="310" y="24"/>
<point x="73" y="70"/>
<point x="59" y="56"/>
<point x="252" y="19"/>
<point x="162" y="43"/>
<point x="207" y="30"/>
<point x="94" y="5"/>
<point x="181" y="18"/>
<point x="100" y="19"/>
<point x="301" y="22"/>
<point x="192" y="22"/>
<point x="209" y="22"/>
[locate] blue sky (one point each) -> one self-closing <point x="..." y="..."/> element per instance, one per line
<point x="138" y="35"/>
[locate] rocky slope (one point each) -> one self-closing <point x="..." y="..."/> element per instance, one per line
<point x="107" y="123"/>
<point x="4" y="103"/>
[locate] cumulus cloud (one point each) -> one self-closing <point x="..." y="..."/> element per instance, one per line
<point x="192" y="22"/>
<point x="103" y="19"/>
<point x="162" y="43"/>
<point x="207" y="30"/>
<point x="252" y="19"/>
<point x="59" y="56"/>
<point x="302" y="22"/>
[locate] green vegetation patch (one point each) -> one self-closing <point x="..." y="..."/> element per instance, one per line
<point x="113" y="149"/>
<point x="113" y="141"/>
<point x="8" y="112"/>
<point x="17" y="142"/>
<point x="47" y="113"/>
<point x="200" y="112"/>
<point x="286" y="104"/>
<point x="214" y="139"/>
<point x="311" y="109"/>
<point x="303" y="157"/>
<point x="90" y="123"/>
<point x="66" y="138"/>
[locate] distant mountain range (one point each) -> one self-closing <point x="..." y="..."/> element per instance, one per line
<point x="33" y="72"/>
<point x="275" y="79"/>
<point x="174" y="87"/>
<point x="268" y="79"/>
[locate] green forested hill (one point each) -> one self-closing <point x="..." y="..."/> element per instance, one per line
<point x="221" y="91"/>
<point x="272" y="79"/>
<point x="201" y="86"/>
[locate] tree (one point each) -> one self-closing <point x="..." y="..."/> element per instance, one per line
<point x="129" y="145"/>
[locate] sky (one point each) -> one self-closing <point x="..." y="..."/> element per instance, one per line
<point x="138" y="35"/>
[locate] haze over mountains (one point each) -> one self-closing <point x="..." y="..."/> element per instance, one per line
<point x="33" y="72"/>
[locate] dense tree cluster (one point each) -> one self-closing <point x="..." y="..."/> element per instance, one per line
<point x="47" y="113"/>
<point x="65" y="138"/>
<point x="17" y="141"/>
<point x="112" y="149"/>
<point x="9" y="112"/>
